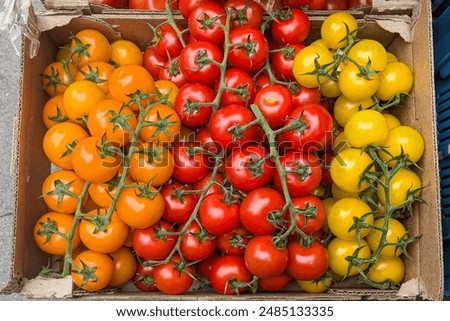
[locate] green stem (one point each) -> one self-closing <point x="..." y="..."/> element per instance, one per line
<point x="77" y="217"/>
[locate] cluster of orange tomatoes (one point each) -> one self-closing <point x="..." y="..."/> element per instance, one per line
<point x="212" y="156"/>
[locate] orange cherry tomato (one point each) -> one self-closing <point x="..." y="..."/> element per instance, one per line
<point x="55" y="79"/>
<point x="100" y="235"/>
<point x="90" y="46"/>
<point x="92" y="271"/>
<point x="164" y="125"/>
<point x="140" y="207"/>
<point x="109" y="117"/>
<point x="125" y="52"/>
<point x="97" y="72"/>
<point x="125" y="266"/>
<point x="93" y="163"/>
<point x="80" y="97"/>
<point x="48" y="229"/>
<point x="152" y="163"/>
<point x="132" y="79"/>
<point x="54" y="112"/>
<point x="59" y="189"/>
<point x="59" y="142"/>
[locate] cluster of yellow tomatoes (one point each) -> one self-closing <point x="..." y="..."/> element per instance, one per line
<point x="361" y="77"/>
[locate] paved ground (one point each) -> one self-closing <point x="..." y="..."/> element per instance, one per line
<point x="9" y="90"/>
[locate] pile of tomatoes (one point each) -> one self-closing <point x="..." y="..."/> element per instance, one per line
<point x="179" y="4"/>
<point x="230" y="153"/>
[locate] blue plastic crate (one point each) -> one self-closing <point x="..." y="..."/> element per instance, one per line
<point x="442" y="44"/>
<point x="439" y="6"/>
<point x="446" y="234"/>
<point x="447" y="258"/>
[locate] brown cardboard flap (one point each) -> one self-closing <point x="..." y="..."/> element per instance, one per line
<point x="66" y="4"/>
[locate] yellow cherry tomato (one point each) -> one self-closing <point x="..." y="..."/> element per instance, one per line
<point x="369" y="51"/>
<point x="392" y="121"/>
<point x="305" y="62"/>
<point x="340" y="143"/>
<point x="315" y="286"/>
<point x="342" y="215"/>
<point x="339" y="250"/>
<point x="356" y="86"/>
<point x="347" y="168"/>
<point x="344" y="109"/>
<point x="403" y="183"/>
<point x="395" y="232"/>
<point x="335" y="28"/>
<point x="406" y="139"/>
<point x="396" y="78"/>
<point x="387" y="269"/>
<point x="366" y="127"/>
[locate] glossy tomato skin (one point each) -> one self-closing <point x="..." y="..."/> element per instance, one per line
<point x="186" y="6"/>
<point x="109" y="238"/>
<point x="215" y="188"/>
<point x="307" y="177"/>
<point x="283" y="61"/>
<point x="189" y="165"/>
<point x="256" y="207"/>
<point x="103" y="273"/>
<point x="166" y="42"/>
<point x="152" y="243"/>
<point x="187" y="107"/>
<point x="291" y="28"/>
<point x="204" y="22"/>
<point x="99" y="48"/>
<point x="143" y="278"/>
<point x="58" y="138"/>
<point x="72" y="182"/>
<point x="153" y="62"/>
<point x="55" y="244"/>
<point x="275" y="283"/>
<point x="250" y="60"/>
<point x="219" y="215"/>
<point x="230" y="117"/>
<point x="263" y="258"/>
<point x="318" y="131"/>
<point x="227" y="268"/>
<point x="235" y="242"/>
<point x="317" y="4"/>
<point x="99" y="122"/>
<point x="203" y="136"/>
<point x="173" y="277"/>
<point x="90" y="165"/>
<point x="242" y="170"/>
<point x="139" y="210"/>
<point x="205" y="72"/>
<point x="250" y="13"/>
<point x="313" y="224"/>
<point x="275" y="103"/>
<point x="178" y="205"/>
<point x="307" y="263"/>
<point x="125" y="266"/>
<point x="305" y="96"/>
<point x="239" y="80"/>
<point x="171" y="71"/>
<point x="197" y="244"/>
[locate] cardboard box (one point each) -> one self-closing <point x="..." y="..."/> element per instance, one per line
<point x="424" y="272"/>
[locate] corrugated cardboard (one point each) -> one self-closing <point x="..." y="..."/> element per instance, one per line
<point x="424" y="273"/>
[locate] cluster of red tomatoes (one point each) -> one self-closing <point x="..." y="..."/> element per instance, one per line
<point x="179" y="4"/>
<point x="204" y="158"/>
